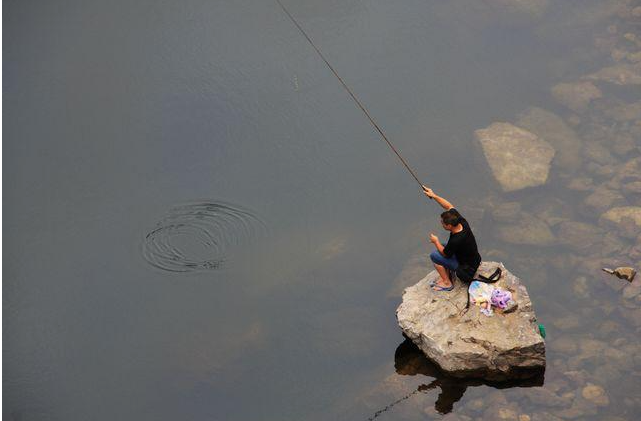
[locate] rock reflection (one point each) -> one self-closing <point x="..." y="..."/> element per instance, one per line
<point x="410" y="361"/>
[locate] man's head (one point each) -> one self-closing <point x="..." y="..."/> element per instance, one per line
<point x="450" y="219"/>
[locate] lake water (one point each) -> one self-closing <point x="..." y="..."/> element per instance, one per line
<point x="117" y="112"/>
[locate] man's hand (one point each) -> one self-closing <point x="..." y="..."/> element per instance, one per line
<point x="433" y="238"/>
<point x="428" y="192"/>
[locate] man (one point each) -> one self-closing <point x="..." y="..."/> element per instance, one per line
<point x="460" y="255"/>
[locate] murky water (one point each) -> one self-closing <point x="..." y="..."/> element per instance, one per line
<point x="117" y="114"/>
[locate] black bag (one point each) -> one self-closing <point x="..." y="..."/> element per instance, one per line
<point x="465" y="273"/>
<point x="495" y="276"/>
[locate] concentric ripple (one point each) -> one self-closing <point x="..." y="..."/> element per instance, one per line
<point x="200" y="236"/>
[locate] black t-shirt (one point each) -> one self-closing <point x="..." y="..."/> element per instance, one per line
<point x="463" y="245"/>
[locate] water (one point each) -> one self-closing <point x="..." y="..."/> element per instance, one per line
<point x="116" y="113"/>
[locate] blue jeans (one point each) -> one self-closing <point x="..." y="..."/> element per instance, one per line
<point x="449" y="262"/>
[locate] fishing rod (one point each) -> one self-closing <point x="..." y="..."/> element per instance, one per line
<point x="359" y="103"/>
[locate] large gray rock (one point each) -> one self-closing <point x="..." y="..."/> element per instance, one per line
<point x="468" y="343"/>
<point x="517" y="158"/>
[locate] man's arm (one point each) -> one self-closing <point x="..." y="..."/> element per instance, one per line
<point x="441" y="201"/>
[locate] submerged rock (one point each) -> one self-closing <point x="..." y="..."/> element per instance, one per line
<point x="576" y="96"/>
<point x="621" y="74"/>
<point x="551" y="128"/>
<point x="517" y="158"/>
<point x="529" y="230"/>
<point x="467" y="343"/>
<point x="595" y="394"/>
<point x="580" y="236"/>
<point x="617" y="215"/>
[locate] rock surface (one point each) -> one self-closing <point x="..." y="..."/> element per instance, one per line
<point x="517" y="158"/>
<point x="467" y="343"/>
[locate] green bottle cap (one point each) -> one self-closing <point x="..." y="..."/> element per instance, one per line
<point x="542" y="330"/>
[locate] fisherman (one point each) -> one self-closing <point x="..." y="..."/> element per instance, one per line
<point x="460" y="255"/>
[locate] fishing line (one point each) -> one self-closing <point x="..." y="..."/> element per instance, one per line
<point x="360" y="105"/>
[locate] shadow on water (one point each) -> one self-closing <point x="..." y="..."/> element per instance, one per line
<point x="409" y="360"/>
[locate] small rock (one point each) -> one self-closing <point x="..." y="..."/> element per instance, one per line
<point x="624" y="112"/>
<point x="626" y="273"/>
<point x="595" y="394"/>
<point x="633" y="187"/>
<point x="529" y="231"/>
<point x="576" y="96"/>
<point x="567" y="323"/>
<point x="506" y="212"/>
<point x="596" y="152"/>
<point x="545" y="416"/>
<point x="581" y="184"/>
<point x="618" y="213"/>
<point x="541" y="396"/>
<point x="621" y="74"/>
<point x="564" y="345"/>
<point x="579" y="235"/>
<point x="580" y="287"/>
<point x="603" y="198"/>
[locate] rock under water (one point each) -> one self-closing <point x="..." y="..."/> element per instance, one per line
<point x="517" y="157"/>
<point x="468" y="343"/>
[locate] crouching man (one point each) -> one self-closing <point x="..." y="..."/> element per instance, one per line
<point x="460" y="255"/>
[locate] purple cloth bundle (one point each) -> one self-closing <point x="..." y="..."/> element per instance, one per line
<point x="501" y="298"/>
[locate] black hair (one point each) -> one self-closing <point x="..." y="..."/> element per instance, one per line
<point x="451" y="217"/>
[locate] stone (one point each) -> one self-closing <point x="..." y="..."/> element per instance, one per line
<point x="580" y="287"/>
<point x="506" y="212"/>
<point x="552" y="210"/>
<point x="545" y="416"/>
<point x="596" y="152"/>
<point x="541" y="396"/>
<point x="600" y="171"/>
<point x="530" y="230"/>
<point x="620" y="74"/>
<point x="581" y="184"/>
<point x="624" y="112"/>
<point x="552" y="129"/>
<point x="617" y="214"/>
<point x="603" y="198"/>
<point x="467" y="343"/>
<point x="506" y="412"/>
<point x="578" y="235"/>
<point x="595" y="394"/>
<point x="633" y="187"/>
<point x="576" y="96"/>
<point x="566" y="323"/>
<point x="626" y="273"/>
<point x="517" y="158"/>
<point x="564" y="345"/>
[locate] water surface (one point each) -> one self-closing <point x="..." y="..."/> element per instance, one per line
<point x="117" y="112"/>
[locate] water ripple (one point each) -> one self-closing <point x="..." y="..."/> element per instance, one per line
<point x="200" y="236"/>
